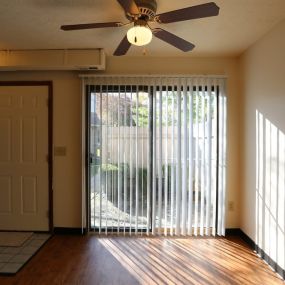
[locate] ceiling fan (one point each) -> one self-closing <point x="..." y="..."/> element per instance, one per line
<point x="141" y="13"/>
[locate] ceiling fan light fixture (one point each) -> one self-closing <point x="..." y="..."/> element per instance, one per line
<point x="139" y="35"/>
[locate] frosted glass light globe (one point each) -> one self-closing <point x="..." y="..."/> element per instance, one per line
<point x="139" y="35"/>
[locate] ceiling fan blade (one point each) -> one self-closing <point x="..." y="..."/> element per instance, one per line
<point x="173" y="40"/>
<point x="129" y="6"/>
<point x="123" y="47"/>
<point x="91" y="26"/>
<point x="194" y="12"/>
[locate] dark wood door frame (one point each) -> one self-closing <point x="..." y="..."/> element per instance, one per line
<point x="49" y="85"/>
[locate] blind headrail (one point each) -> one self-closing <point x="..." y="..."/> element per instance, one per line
<point x="221" y="76"/>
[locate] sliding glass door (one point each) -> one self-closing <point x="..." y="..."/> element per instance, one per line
<point x="156" y="159"/>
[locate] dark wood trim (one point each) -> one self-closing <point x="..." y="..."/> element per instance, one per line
<point x="238" y="232"/>
<point x="69" y="231"/>
<point x="270" y="261"/>
<point x="233" y="232"/>
<point x="20" y="231"/>
<point x="25" y="83"/>
<point x="49" y="84"/>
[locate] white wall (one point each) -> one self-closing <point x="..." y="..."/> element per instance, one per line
<point x="263" y="88"/>
<point x="67" y="92"/>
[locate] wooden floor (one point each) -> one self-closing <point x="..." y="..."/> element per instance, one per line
<point x="123" y="260"/>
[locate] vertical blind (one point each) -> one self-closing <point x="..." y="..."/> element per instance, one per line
<point x="157" y="154"/>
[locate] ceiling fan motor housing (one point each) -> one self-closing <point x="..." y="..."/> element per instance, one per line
<point x="147" y="10"/>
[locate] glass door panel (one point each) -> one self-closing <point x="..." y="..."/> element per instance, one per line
<point x="119" y="141"/>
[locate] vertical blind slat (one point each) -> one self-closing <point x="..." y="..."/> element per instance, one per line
<point x="196" y="159"/>
<point x="119" y="160"/>
<point x="202" y="214"/>
<point x="101" y="149"/>
<point x="137" y="160"/>
<point x="209" y="157"/>
<point x="172" y="163"/>
<point x="107" y="160"/>
<point x="215" y="166"/>
<point x="166" y="197"/>
<point x="184" y="165"/>
<point x="223" y="150"/>
<point x="178" y="166"/>
<point x="131" y="162"/>
<point x="124" y="158"/>
<point x="149" y="164"/>
<point x="154" y="163"/>
<point x="84" y="111"/>
<point x="142" y="174"/>
<point x="220" y="165"/>
<point x="112" y="151"/>
<point x="92" y="180"/>
<point x="159" y="204"/>
<point x="191" y="161"/>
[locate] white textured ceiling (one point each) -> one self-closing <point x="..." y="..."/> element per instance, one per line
<point x="35" y="24"/>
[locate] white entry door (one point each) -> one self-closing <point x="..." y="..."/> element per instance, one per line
<point x="24" y="179"/>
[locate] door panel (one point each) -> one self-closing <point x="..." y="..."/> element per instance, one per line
<point x="5" y="194"/>
<point x="24" y="184"/>
<point x="119" y="139"/>
<point x="29" y="194"/>
<point x="28" y="139"/>
<point x="5" y="131"/>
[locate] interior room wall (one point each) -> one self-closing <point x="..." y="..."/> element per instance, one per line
<point x="67" y="116"/>
<point x="66" y="132"/>
<point x="263" y="152"/>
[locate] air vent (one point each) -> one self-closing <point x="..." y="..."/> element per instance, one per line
<point x="73" y="59"/>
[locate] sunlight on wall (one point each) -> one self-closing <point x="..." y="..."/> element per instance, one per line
<point x="270" y="187"/>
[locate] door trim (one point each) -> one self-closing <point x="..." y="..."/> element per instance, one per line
<point x="49" y="84"/>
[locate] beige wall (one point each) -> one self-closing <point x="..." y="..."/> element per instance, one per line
<point x="66" y="132"/>
<point x="262" y="69"/>
<point x="67" y="92"/>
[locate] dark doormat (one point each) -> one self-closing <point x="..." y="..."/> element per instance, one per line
<point x="12" y="259"/>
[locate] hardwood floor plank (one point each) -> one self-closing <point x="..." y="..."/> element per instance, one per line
<point x="143" y="260"/>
